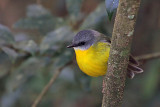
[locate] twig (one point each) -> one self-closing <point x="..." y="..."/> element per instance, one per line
<point x="148" y="56"/>
<point x="45" y="89"/>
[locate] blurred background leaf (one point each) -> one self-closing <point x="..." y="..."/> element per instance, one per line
<point x="10" y="52"/>
<point x="37" y="17"/>
<point x="151" y="79"/>
<point x="33" y="40"/>
<point x="28" y="46"/>
<point x="5" y="35"/>
<point x="74" y="7"/>
<point x="111" y="6"/>
<point x="54" y="39"/>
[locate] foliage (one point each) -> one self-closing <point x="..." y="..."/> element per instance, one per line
<point x="111" y="6"/>
<point x="36" y="61"/>
<point x="35" y="47"/>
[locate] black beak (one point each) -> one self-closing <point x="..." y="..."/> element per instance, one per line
<point x="71" y="46"/>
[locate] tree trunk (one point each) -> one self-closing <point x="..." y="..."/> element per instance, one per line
<point x="114" y="80"/>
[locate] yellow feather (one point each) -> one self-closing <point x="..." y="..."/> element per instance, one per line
<point x="93" y="61"/>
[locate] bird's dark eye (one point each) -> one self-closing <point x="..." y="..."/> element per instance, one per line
<point x="81" y="43"/>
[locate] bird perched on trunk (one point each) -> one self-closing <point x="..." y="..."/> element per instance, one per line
<point x="92" y="53"/>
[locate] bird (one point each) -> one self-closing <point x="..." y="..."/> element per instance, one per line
<point x="92" y="52"/>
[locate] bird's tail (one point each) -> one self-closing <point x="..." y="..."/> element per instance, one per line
<point x="133" y="67"/>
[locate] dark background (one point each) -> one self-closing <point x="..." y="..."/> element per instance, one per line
<point x="34" y="35"/>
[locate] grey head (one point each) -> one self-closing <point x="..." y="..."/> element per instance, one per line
<point x="84" y="39"/>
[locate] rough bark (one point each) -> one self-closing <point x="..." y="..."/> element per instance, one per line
<point x="114" y="80"/>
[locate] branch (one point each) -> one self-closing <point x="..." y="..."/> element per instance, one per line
<point x="148" y="56"/>
<point x="50" y="83"/>
<point x="114" y="80"/>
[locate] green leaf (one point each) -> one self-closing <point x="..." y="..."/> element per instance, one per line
<point x="152" y="78"/>
<point x="110" y="14"/>
<point x="5" y="66"/>
<point x="65" y="57"/>
<point x="56" y="39"/>
<point x="21" y="36"/>
<point x="35" y="11"/>
<point x="6" y="37"/>
<point x="23" y="73"/>
<point x="29" y="46"/>
<point x="74" y="6"/>
<point x="10" y="52"/>
<point x="83" y="80"/>
<point x="43" y="24"/>
<point x="37" y="18"/>
<point x="111" y="6"/>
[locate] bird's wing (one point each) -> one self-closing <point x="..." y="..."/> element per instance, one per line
<point x="105" y="38"/>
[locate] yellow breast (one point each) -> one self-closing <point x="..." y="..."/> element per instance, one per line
<point x="93" y="61"/>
